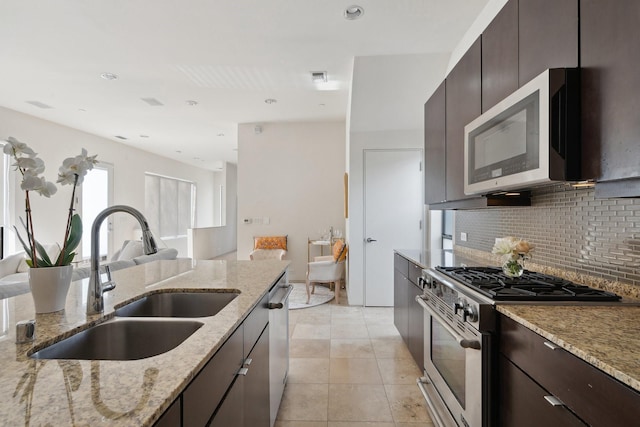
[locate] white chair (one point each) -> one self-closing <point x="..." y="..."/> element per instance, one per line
<point x="327" y="269"/>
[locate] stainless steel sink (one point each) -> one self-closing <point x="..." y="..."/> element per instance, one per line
<point x="122" y="339"/>
<point x="178" y="304"/>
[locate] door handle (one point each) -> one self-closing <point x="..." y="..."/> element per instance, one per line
<point x="369" y="240"/>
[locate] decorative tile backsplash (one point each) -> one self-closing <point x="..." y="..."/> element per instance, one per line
<point x="571" y="231"/>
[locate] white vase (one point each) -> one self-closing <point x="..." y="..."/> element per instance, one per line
<point x="49" y="287"/>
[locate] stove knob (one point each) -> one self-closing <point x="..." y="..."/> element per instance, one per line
<point x="459" y="305"/>
<point x="469" y="314"/>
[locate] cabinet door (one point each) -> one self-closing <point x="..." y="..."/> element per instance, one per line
<point x="523" y="403"/>
<point x="434" y="147"/>
<point x="256" y="407"/>
<point x="231" y="411"/>
<point x="172" y="417"/>
<point x="548" y="36"/>
<point x="463" y="104"/>
<point x="400" y="313"/>
<point x="204" y="394"/>
<point x="500" y="56"/>
<point x="610" y="42"/>
<point x="415" y="314"/>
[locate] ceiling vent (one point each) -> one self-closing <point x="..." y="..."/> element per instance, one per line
<point x="121" y="137"/>
<point x="152" y="101"/>
<point x="39" y="104"/>
<point x="319" y="76"/>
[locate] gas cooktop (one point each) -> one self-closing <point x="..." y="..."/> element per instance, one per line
<point x="531" y="286"/>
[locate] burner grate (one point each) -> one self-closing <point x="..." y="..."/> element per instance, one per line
<point x="531" y="286"/>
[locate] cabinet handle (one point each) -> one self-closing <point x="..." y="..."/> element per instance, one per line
<point x="551" y="345"/>
<point x="243" y="371"/>
<point x="554" y="401"/>
<point x="247" y="361"/>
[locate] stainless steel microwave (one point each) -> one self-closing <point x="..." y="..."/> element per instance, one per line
<point x="528" y="139"/>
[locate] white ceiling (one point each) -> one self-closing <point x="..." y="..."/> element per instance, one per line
<point x="228" y="55"/>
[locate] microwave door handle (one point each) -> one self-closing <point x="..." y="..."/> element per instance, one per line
<point x="464" y="343"/>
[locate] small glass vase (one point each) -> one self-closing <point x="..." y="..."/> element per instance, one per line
<point x="512" y="268"/>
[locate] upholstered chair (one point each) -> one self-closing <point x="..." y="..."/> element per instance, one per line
<point x="327" y="269"/>
<point x="269" y="247"/>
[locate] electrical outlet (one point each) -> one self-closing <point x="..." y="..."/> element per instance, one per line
<point x="463" y="236"/>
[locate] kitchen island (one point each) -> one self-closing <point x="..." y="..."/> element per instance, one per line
<point x="120" y="393"/>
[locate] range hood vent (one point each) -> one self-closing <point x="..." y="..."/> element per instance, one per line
<point x="499" y="200"/>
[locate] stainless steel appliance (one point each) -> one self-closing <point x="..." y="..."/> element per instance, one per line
<point x="278" y="342"/>
<point x="529" y="138"/>
<point x="459" y="319"/>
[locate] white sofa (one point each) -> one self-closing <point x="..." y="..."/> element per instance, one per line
<point x="14" y="270"/>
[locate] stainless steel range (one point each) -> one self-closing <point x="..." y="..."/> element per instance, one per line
<point x="459" y="320"/>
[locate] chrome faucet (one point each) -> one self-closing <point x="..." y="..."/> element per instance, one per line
<point x="95" y="300"/>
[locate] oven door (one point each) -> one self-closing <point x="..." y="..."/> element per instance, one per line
<point x="452" y="385"/>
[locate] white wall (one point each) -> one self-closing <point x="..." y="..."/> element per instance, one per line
<point x="398" y="86"/>
<point x="54" y="143"/>
<point x="479" y="25"/>
<point x="291" y="173"/>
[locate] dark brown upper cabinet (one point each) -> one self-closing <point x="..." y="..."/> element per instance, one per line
<point x="434" y="147"/>
<point x="610" y="42"/>
<point x="463" y="104"/>
<point x="500" y="56"/>
<point x="547" y="36"/>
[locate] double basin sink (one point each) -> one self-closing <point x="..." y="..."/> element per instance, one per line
<point x="148" y="326"/>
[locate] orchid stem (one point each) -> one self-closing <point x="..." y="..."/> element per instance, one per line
<point x="32" y="240"/>
<point x="68" y="229"/>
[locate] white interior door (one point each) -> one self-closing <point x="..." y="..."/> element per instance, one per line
<point x="393" y="189"/>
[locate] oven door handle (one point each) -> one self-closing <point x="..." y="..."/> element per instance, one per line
<point x="464" y="343"/>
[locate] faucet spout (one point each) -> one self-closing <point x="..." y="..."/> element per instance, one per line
<point x="95" y="299"/>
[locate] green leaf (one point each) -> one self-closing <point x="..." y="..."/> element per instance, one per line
<point x="75" y="233"/>
<point x="46" y="261"/>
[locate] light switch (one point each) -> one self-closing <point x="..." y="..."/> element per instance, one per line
<point x="463" y="236"/>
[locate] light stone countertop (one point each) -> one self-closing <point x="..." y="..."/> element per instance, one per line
<point x="607" y="336"/>
<point x="119" y="393"/>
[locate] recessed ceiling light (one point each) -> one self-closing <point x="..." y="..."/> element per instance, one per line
<point x="270" y="101"/>
<point x="353" y="12"/>
<point x="220" y="134"/>
<point x="191" y="102"/>
<point x="178" y="151"/>
<point x="144" y="136"/>
<point x="109" y="76"/>
<point x="121" y="137"/>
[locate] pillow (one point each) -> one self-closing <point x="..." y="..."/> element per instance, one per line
<point x="270" y="242"/>
<point x="131" y="249"/>
<point x="339" y="251"/>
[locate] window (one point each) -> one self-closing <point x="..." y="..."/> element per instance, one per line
<point x="96" y="195"/>
<point x="447" y="229"/>
<point x="169" y="205"/>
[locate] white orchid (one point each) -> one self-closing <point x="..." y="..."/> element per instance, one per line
<point x="38" y="184"/>
<point x="16" y="148"/>
<point x="71" y="172"/>
<point x="74" y="169"/>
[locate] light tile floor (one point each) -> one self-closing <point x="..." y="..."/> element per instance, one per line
<point x="350" y="367"/>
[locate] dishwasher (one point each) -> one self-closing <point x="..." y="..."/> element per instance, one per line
<point x="278" y="342"/>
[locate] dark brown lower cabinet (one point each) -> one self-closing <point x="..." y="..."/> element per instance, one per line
<point x="523" y="403"/>
<point x="408" y="316"/>
<point x="247" y="401"/>
<point x="540" y="383"/>
<point x="172" y="417"/>
<point x="233" y="387"/>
